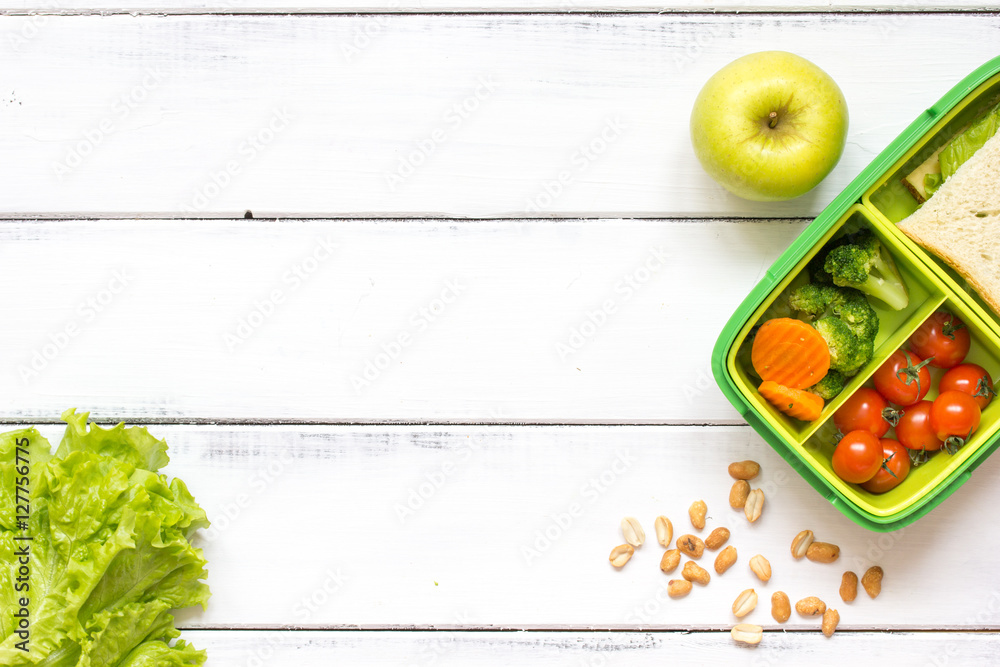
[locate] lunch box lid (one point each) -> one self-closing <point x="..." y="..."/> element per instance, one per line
<point x="814" y="232"/>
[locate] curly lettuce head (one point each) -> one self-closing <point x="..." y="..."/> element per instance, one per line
<point x="109" y="552"/>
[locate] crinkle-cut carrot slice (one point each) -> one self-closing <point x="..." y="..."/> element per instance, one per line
<point x="797" y="403"/>
<point x="790" y="352"/>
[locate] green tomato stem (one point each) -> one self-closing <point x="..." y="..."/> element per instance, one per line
<point x="892" y="415"/>
<point x="912" y="373"/>
<point x="955" y="443"/>
<point x="917" y="458"/>
<point x="984" y="389"/>
<point x="949" y="328"/>
<point x="885" y="465"/>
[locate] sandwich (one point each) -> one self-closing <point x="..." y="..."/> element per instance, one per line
<point x="923" y="181"/>
<point x="960" y="220"/>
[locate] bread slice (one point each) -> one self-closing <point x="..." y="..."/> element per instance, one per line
<point x="960" y="223"/>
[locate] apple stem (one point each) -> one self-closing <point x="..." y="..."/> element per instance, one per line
<point x="772" y="119"/>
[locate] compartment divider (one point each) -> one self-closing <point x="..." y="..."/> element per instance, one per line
<point x="882" y="352"/>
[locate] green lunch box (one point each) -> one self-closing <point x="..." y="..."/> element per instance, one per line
<point x="877" y="199"/>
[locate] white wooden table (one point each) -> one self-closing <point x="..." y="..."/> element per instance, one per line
<point x="383" y="387"/>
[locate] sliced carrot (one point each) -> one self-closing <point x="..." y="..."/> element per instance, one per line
<point x="790" y="352"/>
<point x="797" y="403"/>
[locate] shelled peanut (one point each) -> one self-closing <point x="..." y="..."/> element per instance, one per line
<point x="751" y="501"/>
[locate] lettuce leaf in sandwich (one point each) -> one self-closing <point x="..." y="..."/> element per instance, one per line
<point x="962" y="147"/>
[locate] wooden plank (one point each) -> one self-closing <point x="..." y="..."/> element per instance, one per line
<point x="348" y="320"/>
<point x="467" y="6"/>
<point x="510" y="527"/>
<point x="312" y="116"/>
<point x="594" y="649"/>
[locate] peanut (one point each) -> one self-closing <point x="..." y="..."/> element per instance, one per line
<point x="694" y="572"/>
<point x="754" y="505"/>
<point x="678" y="588"/>
<point x="849" y="587"/>
<point x="744" y="469"/>
<point x="781" y="607"/>
<point x="831" y="618"/>
<point x="801" y="543"/>
<point x="621" y="555"/>
<point x="717" y="538"/>
<point x="747" y="633"/>
<point x="738" y="494"/>
<point x="872" y="581"/>
<point x="664" y="531"/>
<point x="697" y="512"/>
<point x="810" y="606"/>
<point x="633" y="532"/>
<point x="823" y="552"/>
<point x="671" y="559"/>
<point x="760" y="567"/>
<point x="691" y="545"/>
<point x="725" y="559"/>
<point x="745" y="603"/>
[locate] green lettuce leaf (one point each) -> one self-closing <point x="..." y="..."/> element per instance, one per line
<point x="132" y="445"/>
<point x="158" y="654"/>
<point x="110" y="550"/>
<point x="931" y="183"/>
<point x="962" y="147"/>
<point x="112" y="634"/>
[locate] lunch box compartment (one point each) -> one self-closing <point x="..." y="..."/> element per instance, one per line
<point x="923" y="479"/>
<point x="876" y="199"/>
<point x="926" y="294"/>
<point x="888" y="196"/>
<point x="890" y="201"/>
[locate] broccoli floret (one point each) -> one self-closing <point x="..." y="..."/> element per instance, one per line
<point x="860" y="261"/>
<point x="847" y="352"/>
<point x="831" y="385"/>
<point x="817" y="273"/>
<point x="812" y="300"/>
<point x="866" y="350"/>
<point x="852" y="348"/>
<point x="816" y="268"/>
<point x="851" y="306"/>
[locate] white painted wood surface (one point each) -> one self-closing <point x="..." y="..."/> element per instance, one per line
<point x="401" y="320"/>
<point x="468" y="6"/>
<point x="590" y="649"/>
<point x="542" y="114"/>
<point x="313" y="554"/>
<point x="511" y="527"/>
<point x="392" y="7"/>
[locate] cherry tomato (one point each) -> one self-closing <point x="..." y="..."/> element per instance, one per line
<point x="970" y="379"/>
<point x="943" y="339"/>
<point x="865" y="410"/>
<point x="895" y="467"/>
<point x="954" y="418"/>
<point x="857" y="457"/>
<point x="914" y="428"/>
<point x="903" y="379"/>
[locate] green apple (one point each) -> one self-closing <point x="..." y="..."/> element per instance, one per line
<point x="769" y="126"/>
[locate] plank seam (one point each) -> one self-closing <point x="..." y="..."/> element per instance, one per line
<point x="563" y="629"/>
<point x="9" y="220"/>
<point x="194" y="421"/>
<point x="807" y="11"/>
